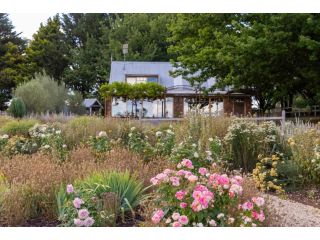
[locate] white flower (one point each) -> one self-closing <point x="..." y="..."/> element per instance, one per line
<point x="58" y="132"/>
<point x="130" y="134"/>
<point x="212" y="223"/>
<point x="64" y="146"/>
<point x="46" y="146"/>
<point x="132" y="129"/>
<point x="5" y="136"/>
<point x="196" y="155"/>
<point x="210" y="139"/>
<point x="199" y="225"/>
<point x="231" y="220"/>
<point x="158" y="133"/>
<point x="313" y="160"/>
<point x="43" y="135"/>
<point x="102" y="134"/>
<point x="34" y="145"/>
<point x="220" y="215"/>
<point x="169" y="131"/>
<point x="194" y="145"/>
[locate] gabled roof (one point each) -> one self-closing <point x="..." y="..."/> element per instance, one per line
<point x="89" y="102"/>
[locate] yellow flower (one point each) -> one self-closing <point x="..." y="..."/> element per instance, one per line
<point x="273" y="172"/>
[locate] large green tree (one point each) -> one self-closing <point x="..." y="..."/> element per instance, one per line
<point x="13" y="69"/>
<point x="48" y="49"/>
<point x="272" y="56"/>
<point x="146" y="35"/>
<point x="89" y="59"/>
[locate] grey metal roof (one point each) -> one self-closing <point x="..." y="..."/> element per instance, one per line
<point x="119" y="70"/>
<point x="89" y="102"/>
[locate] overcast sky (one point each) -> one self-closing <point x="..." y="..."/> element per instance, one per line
<point x="28" y="23"/>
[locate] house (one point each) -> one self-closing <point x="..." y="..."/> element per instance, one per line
<point x="180" y="97"/>
<point x="93" y="106"/>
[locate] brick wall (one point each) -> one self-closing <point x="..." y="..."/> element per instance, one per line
<point x="107" y="108"/>
<point x="228" y="106"/>
<point x="178" y="107"/>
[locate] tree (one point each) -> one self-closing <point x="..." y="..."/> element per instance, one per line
<point x="48" y="49"/>
<point x="42" y="94"/>
<point x="13" y="69"/>
<point x="17" y="108"/>
<point x="89" y="56"/>
<point x="271" y="56"/>
<point x="146" y="35"/>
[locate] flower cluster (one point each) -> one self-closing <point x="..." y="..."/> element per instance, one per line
<point x="266" y="174"/>
<point x="202" y="198"/>
<point x="83" y="218"/>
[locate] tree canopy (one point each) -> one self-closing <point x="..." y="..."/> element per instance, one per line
<point x="13" y="69"/>
<point x="272" y="56"/>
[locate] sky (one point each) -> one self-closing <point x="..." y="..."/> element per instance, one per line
<point x="28" y="23"/>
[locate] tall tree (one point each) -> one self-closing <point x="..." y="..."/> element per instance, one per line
<point x="146" y="35"/>
<point x="48" y="49"/>
<point x="89" y="56"/>
<point x="12" y="61"/>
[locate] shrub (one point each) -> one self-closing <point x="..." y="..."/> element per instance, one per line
<point x="305" y="149"/>
<point x="20" y="127"/>
<point x="165" y="141"/>
<point x="138" y="142"/>
<point x="201" y="128"/>
<point x="90" y="195"/>
<point x="266" y="174"/>
<point x="201" y="198"/>
<point x="3" y="141"/>
<point x="19" y="145"/>
<point x="17" y="108"/>
<point x="246" y="140"/>
<point x="100" y="145"/>
<point x="42" y="94"/>
<point x="49" y="140"/>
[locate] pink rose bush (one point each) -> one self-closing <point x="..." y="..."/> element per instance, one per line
<point x="190" y="197"/>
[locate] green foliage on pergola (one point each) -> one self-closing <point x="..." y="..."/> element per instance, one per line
<point x="149" y="91"/>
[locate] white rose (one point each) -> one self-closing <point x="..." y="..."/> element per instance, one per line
<point x="102" y="134"/>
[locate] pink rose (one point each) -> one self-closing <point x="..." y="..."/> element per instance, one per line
<point x="157" y="216"/>
<point x="259" y="201"/>
<point x="83" y="213"/>
<point x="180" y="194"/>
<point x="183" y="205"/>
<point x="193" y="178"/>
<point x="183" y="220"/>
<point x="203" y="171"/>
<point x="69" y="188"/>
<point x="78" y="222"/>
<point x="176" y="224"/>
<point x="247" y="206"/>
<point x="175" y="216"/>
<point x="77" y="202"/>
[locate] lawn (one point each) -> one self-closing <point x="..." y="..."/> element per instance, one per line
<point x="202" y="171"/>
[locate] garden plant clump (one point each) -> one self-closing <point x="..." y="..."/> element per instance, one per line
<point x="200" y="197"/>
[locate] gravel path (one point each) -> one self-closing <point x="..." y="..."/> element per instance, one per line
<point x="286" y="213"/>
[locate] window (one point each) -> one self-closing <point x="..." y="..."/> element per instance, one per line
<point x="141" y="79"/>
